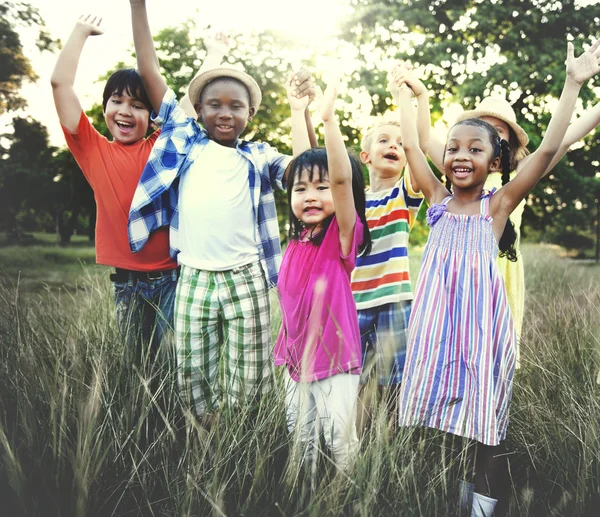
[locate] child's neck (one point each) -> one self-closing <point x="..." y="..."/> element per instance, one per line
<point x="377" y="183"/>
<point x="467" y="196"/>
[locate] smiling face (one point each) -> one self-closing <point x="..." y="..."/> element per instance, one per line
<point x="126" y="117"/>
<point x="469" y="156"/>
<point x="311" y="198"/>
<point x="384" y="155"/>
<point x="224" y="110"/>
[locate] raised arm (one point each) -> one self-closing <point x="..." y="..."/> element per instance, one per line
<point x="66" y="101"/>
<point x="579" y="70"/>
<point x="433" y="190"/>
<point x="577" y="130"/>
<point x="300" y="139"/>
<point x="217" y="45"/>
<point x="409" y="77"/>
<point x="339" y="170"/>
<point x="303" y="86"/>
<point x="145" y="52"/>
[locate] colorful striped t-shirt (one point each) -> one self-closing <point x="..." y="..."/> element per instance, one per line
<point x="382" y="276"/>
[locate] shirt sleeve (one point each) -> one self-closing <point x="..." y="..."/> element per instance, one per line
<point x="79" y="143"/>
<point x="412" y="198"/>
<point x="277" y="165"/>
<point x="349" y="260"/>
<point x="169" y="111"/>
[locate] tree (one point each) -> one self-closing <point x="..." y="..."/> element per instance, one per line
<point x="470" y="49"/>
<point x="25" y="172"/>
<point x="14" y="65"/>
<point x="71" y="196"/>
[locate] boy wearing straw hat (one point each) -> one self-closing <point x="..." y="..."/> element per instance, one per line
<point x="216" y="192"/>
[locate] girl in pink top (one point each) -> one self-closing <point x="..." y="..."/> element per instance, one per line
<point x="319" y="341"/>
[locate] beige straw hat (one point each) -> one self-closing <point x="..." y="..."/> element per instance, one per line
<point x="501" y="109"/>
<point x="201" y="80"/>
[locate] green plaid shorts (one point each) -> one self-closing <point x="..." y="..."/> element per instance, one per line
<point x="223" y="336"/>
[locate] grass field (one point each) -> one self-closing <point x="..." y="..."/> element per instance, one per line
<point x="82" y="435"/>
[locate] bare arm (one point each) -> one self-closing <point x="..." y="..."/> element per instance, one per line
<point x="300" y="140"/>
<point x="436" y="152"/>
<point x="145" y="52"/>
<point x="579" y="70"/>
<point x="217" y="46"/>
<point x="423" y="115"/>
<point x="340" y="172"/>
<point x="422" y="174"/>
<point x="302" y="85"/>
<point x="66" y="101"/>
<point x="576" y="131"/>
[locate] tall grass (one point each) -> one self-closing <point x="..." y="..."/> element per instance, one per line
<point x="82" y="434"/>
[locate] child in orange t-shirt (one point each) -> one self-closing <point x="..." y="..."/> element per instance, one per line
<point x="144" y="282"/>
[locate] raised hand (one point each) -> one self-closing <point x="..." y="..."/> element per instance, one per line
<point x="327" y="102"/>
<point x="403" y="73"/>
<point x="90" y="25"/>
<point x="585" y="66"/>
<point x="303" y="85"/>
<point x="217" y="44"/>
<point x="297" y="101"/>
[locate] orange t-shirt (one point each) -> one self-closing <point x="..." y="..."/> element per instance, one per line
<point x="113" y="171"/>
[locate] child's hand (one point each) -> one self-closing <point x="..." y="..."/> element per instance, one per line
<point x="404" y="73"/>
<point x="327" y="102"/>
<point x="89" y="25"/>
<point x="217" y="44"/>
<point x="303" y="85"/>
<point x="297" y="102"/>
<point x="586" y="65"/>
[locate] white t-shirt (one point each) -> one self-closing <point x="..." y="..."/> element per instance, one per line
<point x="216" y="219"/>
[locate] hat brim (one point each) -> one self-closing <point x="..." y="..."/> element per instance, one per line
<point x="201" y="80"/>
<point x="519" y="132"/>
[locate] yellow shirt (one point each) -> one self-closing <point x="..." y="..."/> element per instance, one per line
<point x="512" y="272"/>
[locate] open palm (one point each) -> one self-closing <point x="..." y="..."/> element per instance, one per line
<point x="90" y="24"/>
<point x="585" y="66"/>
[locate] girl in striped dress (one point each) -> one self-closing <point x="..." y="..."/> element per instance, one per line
<point x="461" y="343"/>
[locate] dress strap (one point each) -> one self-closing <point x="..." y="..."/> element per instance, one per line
<point x="485" y="202"/>
<point x="446" y="200"/>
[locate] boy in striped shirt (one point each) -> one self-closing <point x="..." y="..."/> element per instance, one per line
<point x="381" y="281"/>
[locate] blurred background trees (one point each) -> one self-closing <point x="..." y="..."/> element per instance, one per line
<point x="466" y="50"/>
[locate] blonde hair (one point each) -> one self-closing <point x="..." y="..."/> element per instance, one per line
<point x="367" y="139"/>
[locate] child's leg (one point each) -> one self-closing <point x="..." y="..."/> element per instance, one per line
<point x="244" y="298"/>
<point x="366" y="394"/>
<point x="391" y="335"/>
<point x="490" y="474"/>
<point x="300" y="412"/>
<point x="197" y="338"/>
<point x="336" y="409"/>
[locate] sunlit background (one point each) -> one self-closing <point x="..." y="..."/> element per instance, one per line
<point x="313" y="22"/>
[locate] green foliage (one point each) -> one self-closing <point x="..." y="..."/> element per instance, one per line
<point x="471" y="49"/>
<point x="24" y="170"/>
<point x="14" y="65"/>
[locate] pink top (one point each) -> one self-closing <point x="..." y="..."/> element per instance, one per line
<point x="319" y="334"/>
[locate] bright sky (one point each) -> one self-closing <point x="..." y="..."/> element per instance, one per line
<point x="310" y="20"/>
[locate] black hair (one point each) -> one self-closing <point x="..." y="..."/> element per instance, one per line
<point x="513" y="147"/>
<point x="315" y="161"/>
<point x="126" y="80"/>
<point x="225" y="79"/>
<point x="500" y="148"/>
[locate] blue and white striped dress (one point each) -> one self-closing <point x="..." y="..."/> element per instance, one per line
<point x="461" y="339"/>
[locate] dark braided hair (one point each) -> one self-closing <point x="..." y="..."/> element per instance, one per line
<point x="314" y="161"/>
<point x="502" y="149"/>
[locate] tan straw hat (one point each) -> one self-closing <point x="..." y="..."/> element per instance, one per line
<point x="201" y="80"/>
<point x="501" y="109"/>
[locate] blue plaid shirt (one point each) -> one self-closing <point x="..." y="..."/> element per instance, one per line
<point x="155" y="202"/>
